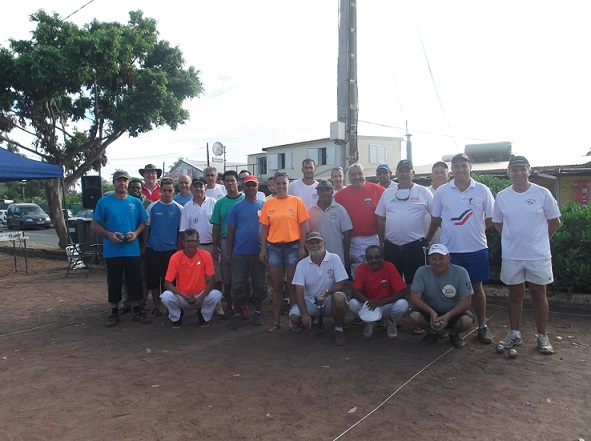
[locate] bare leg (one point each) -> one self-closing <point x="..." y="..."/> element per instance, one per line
<point x="289" y="272"/>
<point x="516" y="294"/>
<point x="540" y="305"/>
<point x="339" y="309"/>
<point x="479" y="302"/>
<point x="276" y="273"/>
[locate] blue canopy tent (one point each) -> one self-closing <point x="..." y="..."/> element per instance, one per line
<point x="14" y="167"/>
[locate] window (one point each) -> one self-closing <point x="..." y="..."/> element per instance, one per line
<point x="322" y="155"/>
<point x="378" y="154"/>
<point x="262" y="166"/>
<point x="280" y="161"/>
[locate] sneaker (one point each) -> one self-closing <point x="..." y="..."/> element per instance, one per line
<point x="244" y="312"/>
<point x="339" y="338"/>
<point x="124" y="309"/>
<point x="544" y="345"/>
<point x="218" y="309"/>
<point x="485" y="336"/>
<point x="443" y="332"/>
<point x="456" y="341"/>
<point x="381" y="323"/>
<point x="368" y="329"/>
<point x="236" y="322"/>
<point x="429" y="339"/>
<point x="228" y="312"/>
<point x="140" y="317"/>
<point x="257" y="319"/>
<point x="202" y="322"/>
<point x="285" y="308"/>
<point x="356" y="321"/>
<point x="179" y="323"/>
<point x="510" y="340"/>
<point x="112" y="320"/>
<point x="156" y="312"/>
<point x="391" y="330"/>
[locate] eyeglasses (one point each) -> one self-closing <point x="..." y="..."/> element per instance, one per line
<point x="280" y="174"/>
<point x="369" y="258"/>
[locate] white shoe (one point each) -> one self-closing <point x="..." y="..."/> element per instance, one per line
<point x="218" y="309"/>
<point x="544" y="345"/>
<point x="510" y="340"/>
<point x="368" y="329"/>
<point x="391" y="330"/>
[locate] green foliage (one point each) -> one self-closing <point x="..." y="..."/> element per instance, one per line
<point x="493" y="183"/>
<point x="571" y="250"/>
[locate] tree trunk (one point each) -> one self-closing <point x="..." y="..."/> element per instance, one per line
<point x="53" y="191"/>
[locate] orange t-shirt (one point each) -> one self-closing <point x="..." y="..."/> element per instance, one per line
<point x="190" y="272"/>
<point x="284" y="217"/>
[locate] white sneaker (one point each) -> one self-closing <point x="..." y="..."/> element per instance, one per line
<point x="544" y="345"/>
<point x="218" y="309"/>
<point x="368" y="329"/>
<point x="510" y="340"/>
<point x="391" y="331"/>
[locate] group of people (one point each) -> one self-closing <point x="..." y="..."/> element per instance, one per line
<point x="408" y="249"/>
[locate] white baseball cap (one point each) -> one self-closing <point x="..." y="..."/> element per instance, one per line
<point x="438" y="248"/>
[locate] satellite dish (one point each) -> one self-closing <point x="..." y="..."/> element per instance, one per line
<point x="217" y="148"/>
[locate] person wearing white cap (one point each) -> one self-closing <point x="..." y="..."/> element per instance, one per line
<point x="527" y="216"/>
<point x="319" y="281"/>
<point x="440" y="295"/>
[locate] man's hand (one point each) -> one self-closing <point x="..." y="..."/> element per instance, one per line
<point x="306" y="320"/>
<point x="263" y="255"/>
<point x="130" y="236"/>
<point x="116" y="237"/>
<point x="373" y="304"/>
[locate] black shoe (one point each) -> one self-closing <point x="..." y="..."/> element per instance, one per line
<point x="124" y="309"/>
<point x="140" y="317"/>
<point x="112" y="320"/>
<point x="202" y="322"/>
<point x="179" y="323"/>
<point x="456" y="341"/>
<point x="429" y="339"/>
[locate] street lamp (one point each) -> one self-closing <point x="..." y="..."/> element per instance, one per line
<point x="24" y="184"/>
<point x="219" y="150"/>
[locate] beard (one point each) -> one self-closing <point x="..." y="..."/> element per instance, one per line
<point x="317" y="253"/>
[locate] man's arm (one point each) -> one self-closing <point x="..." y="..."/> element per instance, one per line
<point x="416" y="300"/>
<point x="98" y="228"/>
<point x="435" y="223"/>
<point x="488" y="223"/>
<point x="215" y="238"/>
<point x="230" y="242"/>
<point x="499" y="227"/>
<point x="553" y="225"/>
<point x="300" y="300"/>
<point x="145" y="236"/>
<point x="461" y="306"/>
<point x="263" y="252"/>
<point x="303" y="232"/>
<point x="381" y="228"/>
<point x="210" y="280"/>
<point x="390" y="299"/>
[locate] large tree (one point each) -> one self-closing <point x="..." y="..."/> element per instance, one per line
<point x="75" y="91"/>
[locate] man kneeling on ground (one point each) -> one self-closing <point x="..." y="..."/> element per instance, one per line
<point x="441" y="294"/>
<point x="379" y="284"/>
<point x="319" y="280"/>
<point x="193" y="271"/>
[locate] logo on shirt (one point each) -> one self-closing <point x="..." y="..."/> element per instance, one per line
<point x="291" y="210"/>
<point x="315" y="196"/>
<point x="132" y="207"/>
<point x="415" y="199"/>
<point x="332" y="215"/>
<point x="449" y="291"/>
<point x="530" y="201"/>
<point x="462" y="218"/>
<point x="384" y="284"/>
<point x="195" y="220"/>
<point x="259" y="213"/>
<point x="330" y="273"/>
<point x="271" y="212"/>
<point x="367" y="201"/>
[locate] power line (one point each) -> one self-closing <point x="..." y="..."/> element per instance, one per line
<point x="79" y="9"/>
<point x="421" y="131"/>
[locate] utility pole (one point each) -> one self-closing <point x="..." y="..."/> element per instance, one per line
<point x="347" y="104"/>
<point x="408" y="144"/>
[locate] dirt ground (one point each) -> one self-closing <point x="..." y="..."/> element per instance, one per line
<point x="65" y="376"/>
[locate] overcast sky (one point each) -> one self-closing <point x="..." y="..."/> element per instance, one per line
<point x="460" y="72"/>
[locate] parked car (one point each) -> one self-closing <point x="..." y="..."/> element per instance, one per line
<point x="25" y="216"/>
<point x="85" y="215"/>
<point x="2" y="217"/>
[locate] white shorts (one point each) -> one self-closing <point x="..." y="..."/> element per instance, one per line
<point x="516" y="272"/>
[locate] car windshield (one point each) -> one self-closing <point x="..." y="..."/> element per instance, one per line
<point x="32" y="210"/>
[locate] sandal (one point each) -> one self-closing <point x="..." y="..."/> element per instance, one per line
<point x="274" y="327"/>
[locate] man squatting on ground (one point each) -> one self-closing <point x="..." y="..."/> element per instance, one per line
<point x="192" y="269"/>
<point x="527" y="216"/>
<point x="440" y="295"/>
<point x="120" y="218"/>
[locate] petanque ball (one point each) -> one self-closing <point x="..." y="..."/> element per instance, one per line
<point x="512" y="353"/>
<point x="500" y="348"/>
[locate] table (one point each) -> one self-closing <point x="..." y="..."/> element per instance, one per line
<point x="14" y="236"/>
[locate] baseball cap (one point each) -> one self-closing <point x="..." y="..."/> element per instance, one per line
<point x="404" y="163"/>
<point x="198" y="181"/>
<point x="440" y="164"/>
<point x="461" y="156"/>
<point x="384" y="166"/>
<point x="120" y="174"/>
<point x="250" y="178"/>
<point x="438" y="248"/>
<point x="314" y="235"/>
<point x="518" y="160"/>
<point x="323" y="183"/>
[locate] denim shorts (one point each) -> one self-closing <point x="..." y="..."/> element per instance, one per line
<point x="282" y="256"/>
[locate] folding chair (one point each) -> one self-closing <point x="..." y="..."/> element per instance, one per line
<point x="81" y="253"/>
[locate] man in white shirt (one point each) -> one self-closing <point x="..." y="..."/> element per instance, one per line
<point x="305" y="187"/>
<point x="213" y="189"/>
<point x="463" y="209"/>
<point x="338" y="179"/>
<point x="401" y="222"/>
<point x="439" y="176"/>
<point x="384" y="175"/>
<point x="527" y="216"/>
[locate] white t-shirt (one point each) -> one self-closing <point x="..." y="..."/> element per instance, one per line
<point x="217" y="192"/>
<point x="306" y="193"/>
<point x="405" y="218"/>
<point x="331" y="223"/>
<point x="525" y="222"/>
<point x="316" y="278"/>
<point x="197" y="217"/>
<point x="462" y="215"/>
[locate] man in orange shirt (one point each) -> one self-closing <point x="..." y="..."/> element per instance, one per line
<point x="193" y="271"/>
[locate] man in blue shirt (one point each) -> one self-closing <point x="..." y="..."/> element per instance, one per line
<point x="242" y="251"/>
<point x="120" y="218"/>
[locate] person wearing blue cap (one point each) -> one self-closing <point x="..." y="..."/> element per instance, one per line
<point x="384" y="175"/>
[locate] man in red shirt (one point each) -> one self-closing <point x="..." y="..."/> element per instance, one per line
<point x="193" y="271"/>
<point x="151" y="188"/>
<point x="360" y="199"/>
<point x="379" y="284"/>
